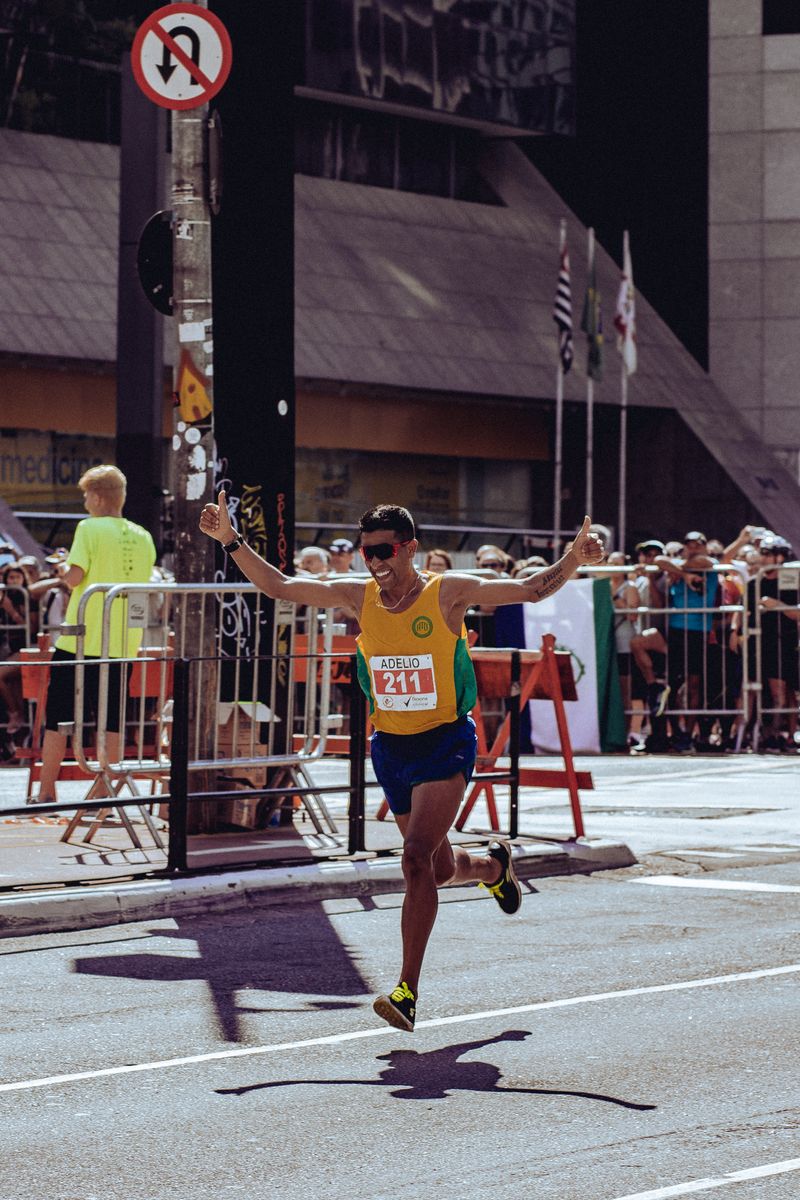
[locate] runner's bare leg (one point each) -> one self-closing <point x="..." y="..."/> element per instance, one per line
<point x="429" y="861"/>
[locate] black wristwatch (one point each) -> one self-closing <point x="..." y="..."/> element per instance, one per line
<point x="234" y="545"/>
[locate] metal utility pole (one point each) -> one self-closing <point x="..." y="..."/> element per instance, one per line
<point x="193" y="438"/>
<point x="181" y="58"/>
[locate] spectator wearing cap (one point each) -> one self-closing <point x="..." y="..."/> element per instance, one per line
<point x="342" y="552"/>
<point x="738" y="553"/>
<point x="777" y="613"/>
<point x="693" y="589"/>
<point x="627" y="600"/>
<point x="725" y="660"/>
<point x="494" y="563"/>
<point x="649" y="646"/>
<point x="51" y="594"/>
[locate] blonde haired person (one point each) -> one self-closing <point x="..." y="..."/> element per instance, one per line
<point x="106" y="548"/>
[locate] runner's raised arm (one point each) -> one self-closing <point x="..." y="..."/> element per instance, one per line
<point x="459" y="590"/>
<point x="216" y="523"/>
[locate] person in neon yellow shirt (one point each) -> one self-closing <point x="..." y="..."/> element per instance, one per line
<point x="107" y="548"/>
<point x="415" y="669"/>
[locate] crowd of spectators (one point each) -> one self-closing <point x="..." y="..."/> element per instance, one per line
<point x="32" y="600"/>
<point x="683" y="657"/>
<point x="680" y="608"/>
<point x="677" y="622"/>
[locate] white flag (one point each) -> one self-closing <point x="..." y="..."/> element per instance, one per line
<point x="625" y="315"/>
<point x="582" y="619"/>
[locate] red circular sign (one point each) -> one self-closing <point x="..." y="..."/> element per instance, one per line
<point x="181" y="56"/>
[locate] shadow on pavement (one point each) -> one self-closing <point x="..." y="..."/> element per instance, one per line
<point x="282" y="950"/>
<point x="434" y="1074"/>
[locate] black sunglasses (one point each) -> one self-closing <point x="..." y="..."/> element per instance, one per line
<point x="491" y="562"/>
<point x="382" y="550"/>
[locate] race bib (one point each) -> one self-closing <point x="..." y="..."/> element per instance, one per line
<point x="403" y="683"/>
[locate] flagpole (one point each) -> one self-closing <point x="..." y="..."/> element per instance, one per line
<point x="623" y="430"/>
<point x="623" y="458"/>
<point x="590" y="403"/>
<point x="559" y="446"/>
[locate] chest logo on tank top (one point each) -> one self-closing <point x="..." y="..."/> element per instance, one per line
<point x="422" y="627"/>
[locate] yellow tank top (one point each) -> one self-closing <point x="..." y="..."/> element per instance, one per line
<point x="415" y="672"/>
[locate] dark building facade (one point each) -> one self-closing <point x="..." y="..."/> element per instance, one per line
<point x="426" y="261"/>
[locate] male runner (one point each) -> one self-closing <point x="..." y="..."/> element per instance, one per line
<point x="414" y="666"/>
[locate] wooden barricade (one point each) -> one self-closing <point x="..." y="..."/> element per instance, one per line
<point x="545" y="675"/>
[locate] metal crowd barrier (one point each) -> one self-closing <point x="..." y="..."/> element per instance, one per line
<point x="705" y="678"/>
<point x="178" y="617"/>
<point x="716" y="674"/>
<point x="162" y="747"/>
<point x="771" y="646"/>
<point x="175" y="619"/>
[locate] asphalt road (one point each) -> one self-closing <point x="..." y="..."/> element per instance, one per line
<point x="619" y="1037"/>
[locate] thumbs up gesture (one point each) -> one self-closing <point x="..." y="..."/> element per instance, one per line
<point x="588" y="548"/>
<point x="215" y="522"/>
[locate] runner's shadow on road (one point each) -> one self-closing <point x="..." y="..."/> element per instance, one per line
<point x="284" y="951"/>
<point x="436" y="1074"/>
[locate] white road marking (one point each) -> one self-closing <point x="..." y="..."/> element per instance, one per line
<point x="705" y="1185"/>
<point x="679" y="801"/>
<point x="710" y="853"/>
<point x="361" y="1034"/>
<point x="727" y="885"/>
<point x="775" y="849"/>
<point x="707" y="772"/>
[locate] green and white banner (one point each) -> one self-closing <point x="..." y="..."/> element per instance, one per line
<point x="581" y="617"/>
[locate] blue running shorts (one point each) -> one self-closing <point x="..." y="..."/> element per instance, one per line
<point x="402" y="761"/>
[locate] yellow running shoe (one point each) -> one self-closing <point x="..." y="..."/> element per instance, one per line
<point x="506" y="891"/>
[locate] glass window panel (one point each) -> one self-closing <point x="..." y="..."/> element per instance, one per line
<point x="780" y="16"/>
<point x="367" y="147"/>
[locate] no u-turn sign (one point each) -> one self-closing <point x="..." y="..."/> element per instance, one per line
<point x="181" y="56"/>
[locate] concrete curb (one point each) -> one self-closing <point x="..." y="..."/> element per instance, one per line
<point x="103" y="904"/>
